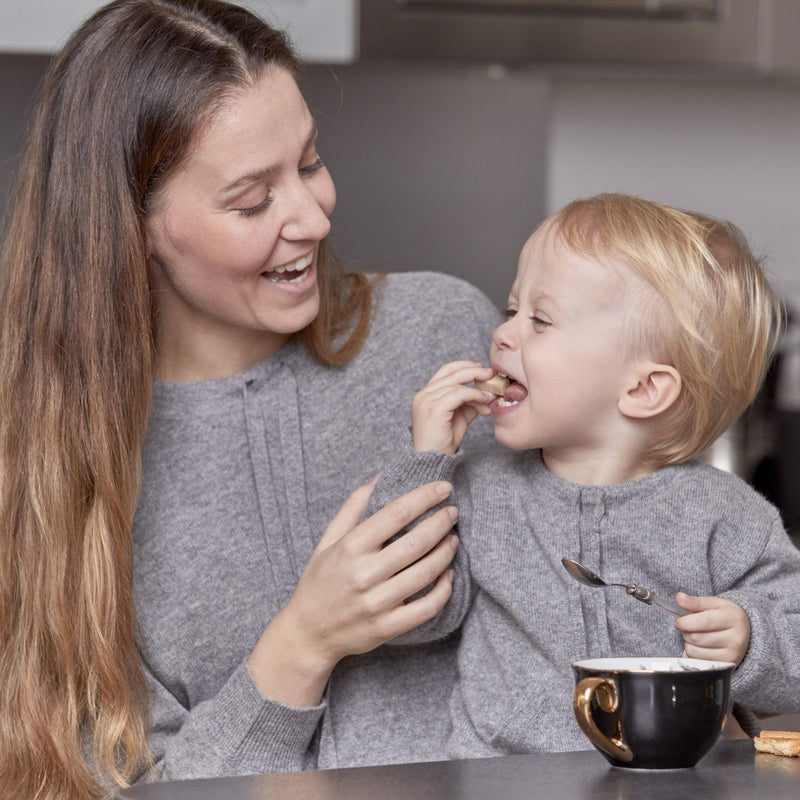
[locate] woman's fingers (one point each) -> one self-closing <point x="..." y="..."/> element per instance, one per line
<point x="375" y="531"/>
<point x="421" y="573"/>
<point x="415" y="544"/>
<point x="406" y="616"/>
<point x="348" y="515"/>
<point x="350" y="597"/>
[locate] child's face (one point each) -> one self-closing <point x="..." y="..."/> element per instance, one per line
<point x="564" y="344"/>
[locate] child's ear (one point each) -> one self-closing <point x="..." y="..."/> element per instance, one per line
<point x="654" y="388"/>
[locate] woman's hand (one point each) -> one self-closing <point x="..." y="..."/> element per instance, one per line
<point x="350" y="597"/>
<point x="717" y="630"/>
<point x="442" y="411"/>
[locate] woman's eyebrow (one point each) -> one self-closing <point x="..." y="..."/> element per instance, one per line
<point x="260" y="174"/>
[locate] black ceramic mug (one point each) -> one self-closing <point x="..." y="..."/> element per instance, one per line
<point x="652" y="713"/>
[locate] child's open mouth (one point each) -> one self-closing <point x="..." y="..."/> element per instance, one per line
<point x="515" y="393"/>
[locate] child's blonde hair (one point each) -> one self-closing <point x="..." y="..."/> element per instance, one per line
<point x="717" y="321"/>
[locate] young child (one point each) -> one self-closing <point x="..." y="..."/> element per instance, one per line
<point x="636" y="335"/>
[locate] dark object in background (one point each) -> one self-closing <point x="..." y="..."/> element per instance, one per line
<point x="777" y="474"/>
<point x="788" y="469"/>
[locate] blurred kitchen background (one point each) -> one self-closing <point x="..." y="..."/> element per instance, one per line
<point x="453" y="127"/>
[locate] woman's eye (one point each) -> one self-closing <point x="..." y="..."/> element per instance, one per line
<point x="305" y="172"/>
<point x="257" y="209"/>
<point x="312" y="168"/>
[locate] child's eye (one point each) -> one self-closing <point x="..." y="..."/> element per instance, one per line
<point x="257" y="209"/>
<point x="538" y="322"/>
<point x="511" y="312"/>
<point x="312" y="168"/>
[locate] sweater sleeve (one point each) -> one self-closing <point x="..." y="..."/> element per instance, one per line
<point x="236" y="732"/>
<point x="768" y="677"/>
<point x="406" y="471"/>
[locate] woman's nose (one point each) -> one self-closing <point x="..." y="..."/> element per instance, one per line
<point x="308" y="212"/>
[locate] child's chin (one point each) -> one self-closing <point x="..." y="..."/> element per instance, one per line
<point x="506" y="437"/>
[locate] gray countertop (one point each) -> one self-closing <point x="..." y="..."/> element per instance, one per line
<point x="731" y="771"/>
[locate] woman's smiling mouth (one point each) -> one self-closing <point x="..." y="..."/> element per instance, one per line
<point x="294" y="272"/>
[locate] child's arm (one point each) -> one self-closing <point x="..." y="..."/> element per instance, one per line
<point x="716" y="630"/>
<point x="406" y="471"/>
<point x="758" y="568"/>
<point x="441" y="414"/>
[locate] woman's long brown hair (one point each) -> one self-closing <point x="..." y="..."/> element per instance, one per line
<point x="120" y="106"/>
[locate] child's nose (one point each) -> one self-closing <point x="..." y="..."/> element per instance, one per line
<point x="503" y="336"/>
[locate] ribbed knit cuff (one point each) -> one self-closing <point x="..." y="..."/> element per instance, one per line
<point x="410" y="468"/>
<point x="748" y="684"/>
<point x="271" y="736"/>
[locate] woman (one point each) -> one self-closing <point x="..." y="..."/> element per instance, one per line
<point x="191" y="388"/>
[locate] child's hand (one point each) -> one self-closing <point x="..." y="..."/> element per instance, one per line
<point x="717" y="630"/>
<point x="443" y="410"/>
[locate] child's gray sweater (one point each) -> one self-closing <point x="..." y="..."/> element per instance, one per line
<point x="241" y="477"/>
<point x="690" y="527"/>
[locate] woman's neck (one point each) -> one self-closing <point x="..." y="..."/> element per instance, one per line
<point x="205" y="357"/>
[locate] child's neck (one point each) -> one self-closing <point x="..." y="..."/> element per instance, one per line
<point x="596" y="467"/>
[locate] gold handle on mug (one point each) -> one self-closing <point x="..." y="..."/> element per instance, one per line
<point x="604" y="690"/>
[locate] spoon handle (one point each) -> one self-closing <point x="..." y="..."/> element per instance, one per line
<point x="652" y="599"/>
<point x="668" y="605"/>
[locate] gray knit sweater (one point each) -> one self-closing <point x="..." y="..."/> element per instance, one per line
<point x="241" y="477"/>
<point x="690" y="527"/>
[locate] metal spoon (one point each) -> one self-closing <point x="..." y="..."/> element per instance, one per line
<point x="585" y="576"/>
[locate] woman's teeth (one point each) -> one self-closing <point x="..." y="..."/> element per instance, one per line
<point x="291" y="273"/>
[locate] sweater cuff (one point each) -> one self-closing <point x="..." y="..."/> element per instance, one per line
<point x="747" y="684"/>
<point x="417" y="467"/>
<point x="408" y="470"/>
<point x="272" y="736"/>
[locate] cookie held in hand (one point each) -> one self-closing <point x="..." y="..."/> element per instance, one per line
<point x="497" y="384"/>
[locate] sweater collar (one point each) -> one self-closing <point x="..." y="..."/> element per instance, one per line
<point x="167" y="393"/>
<point x="557" y="487"/>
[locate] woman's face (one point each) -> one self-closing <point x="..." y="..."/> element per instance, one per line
<point x="234" y="234"/>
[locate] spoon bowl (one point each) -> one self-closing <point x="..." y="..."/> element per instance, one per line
<point x="584" y="575"/>
<point x="588" y="577"/>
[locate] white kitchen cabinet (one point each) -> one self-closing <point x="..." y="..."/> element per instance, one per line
<point x="322" y="30"/>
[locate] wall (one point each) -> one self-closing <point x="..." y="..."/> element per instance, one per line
<point x="436" y="168"/>
<point x="721" y="146"/>
<point x="19" y="77"/>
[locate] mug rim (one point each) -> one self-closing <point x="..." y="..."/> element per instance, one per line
<point x="676" y="665"/>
